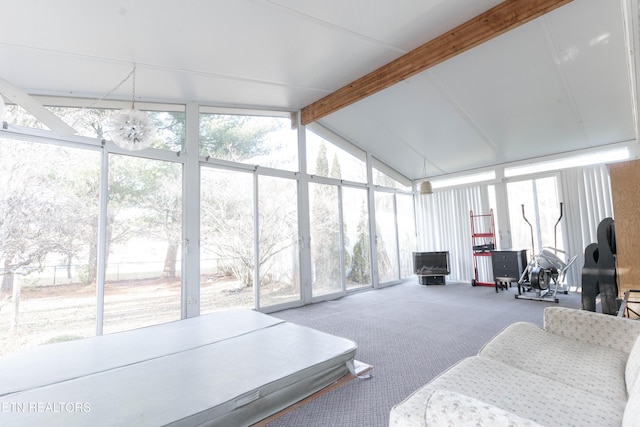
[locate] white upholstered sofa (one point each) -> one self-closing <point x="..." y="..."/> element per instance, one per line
<point x="581" y="369"/>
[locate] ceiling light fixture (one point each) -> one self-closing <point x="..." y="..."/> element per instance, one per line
<point x="425" y="187"/>
<point x="131" y="129"/>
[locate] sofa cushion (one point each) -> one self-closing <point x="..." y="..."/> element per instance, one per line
<point x="585" y="366"/>
<point x="448" y="408"/>
<point x="632" y="371"/>
<point x="632" y="411"/>
<point x="596" y="328"/>
<point x="527" y="395"/>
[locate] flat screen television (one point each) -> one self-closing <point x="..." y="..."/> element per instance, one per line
<point x="431" y="263"/>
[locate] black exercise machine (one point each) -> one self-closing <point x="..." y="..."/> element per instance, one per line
<point x="545" y="271"/>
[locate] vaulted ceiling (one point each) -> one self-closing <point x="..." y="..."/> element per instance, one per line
<point x="561" y="82"/>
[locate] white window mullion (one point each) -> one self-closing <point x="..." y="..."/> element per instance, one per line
<point x="304" y="220"/>
<point x="343" y="267"/>
<point x="375" y="276"/>
<point x="395" y="224"/>
<point x="191" y="216"/>
<point x="256" y="242"/>
<point x="102" y="241"/>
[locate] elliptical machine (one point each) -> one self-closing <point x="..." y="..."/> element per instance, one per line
<point x="546" y="270"/>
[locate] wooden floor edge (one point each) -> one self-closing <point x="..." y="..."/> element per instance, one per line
<point x="360" y="368"/>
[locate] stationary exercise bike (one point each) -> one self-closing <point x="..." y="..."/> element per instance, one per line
<point x="545" y="271"/>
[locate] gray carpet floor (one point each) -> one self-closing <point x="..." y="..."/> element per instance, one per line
<point x="409" y="333"/>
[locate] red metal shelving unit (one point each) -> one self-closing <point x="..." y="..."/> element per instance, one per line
<point x="483" y="240"/>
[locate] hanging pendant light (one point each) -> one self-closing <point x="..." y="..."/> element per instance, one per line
<point x="131" y="129"/>
<point x="425" y="186"/>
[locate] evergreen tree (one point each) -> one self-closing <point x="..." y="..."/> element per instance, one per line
<point x="322" y="163"/>
<point x="361" y="260"/>
<point x="325" y="229"/>
<point x="235" y="138"/>
<point x="336" y="172"/>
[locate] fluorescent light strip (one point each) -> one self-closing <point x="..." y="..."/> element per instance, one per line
<point x="461" y="180"/>
<point x="570" y="162"/>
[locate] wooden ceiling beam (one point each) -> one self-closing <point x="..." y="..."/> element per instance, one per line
<point x="495" y="21"/>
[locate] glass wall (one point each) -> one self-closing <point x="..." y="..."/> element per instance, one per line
<point x="340" y="244"/>
<point x="48" y="241"/>
<point x="328" y="160"/>
<point x="144" y="231"/>
<point x="406" y="233"/>
<point x="539" y="199"/>
<point x="383" y="179"/>
<point x="58" y="207"/>
<point x="168" y="121"/>
<point x="251" y="139"/>
<point x="357" y="244"/>
<point x="386" y="237"/>
<point x="326" y="248"/>
<point x="278" y="251"/>
<point x="227" y="239"/>
<point x="228" y="250"/>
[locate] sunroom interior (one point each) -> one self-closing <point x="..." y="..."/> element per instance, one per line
<point x="270" y="182"/>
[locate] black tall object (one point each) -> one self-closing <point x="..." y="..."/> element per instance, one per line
<point x="599" y="271"/>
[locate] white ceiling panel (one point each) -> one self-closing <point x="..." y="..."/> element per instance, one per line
<point x="241" y="40"/>
<point x="525" y="109"/>
<point x="560" y="83"/>
<point x="592" y="57"/>
<point x="369" y="134"/>
<point x="404" y="24"/>
<point x="418" y="118"/>
<point x="77" y="78"/>
<point x="554" y="85"/>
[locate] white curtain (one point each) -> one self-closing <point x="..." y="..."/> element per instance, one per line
<point x="587" y="196"/>
<point x="444" y="224"/>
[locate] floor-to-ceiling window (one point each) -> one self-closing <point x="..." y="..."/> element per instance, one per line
<point x="105" y="232"/>
<point x="386" y="237"/>
<point x="143" y="241"/>
<point x="139" y="283"/>
<point x="327" y="258"/>
<point x="340" y="254"/>
<point x="226" y="239"/>
<point x="406" y="232"/>
<point x="357" y="245"/>
<point x="534" y="211"/>
<point x="248" y="216"/>
<point x="394" y="224"/>
<point x="339" y="215"/>
<point x="278" y="251"/>
<point x="48" y="236"/>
